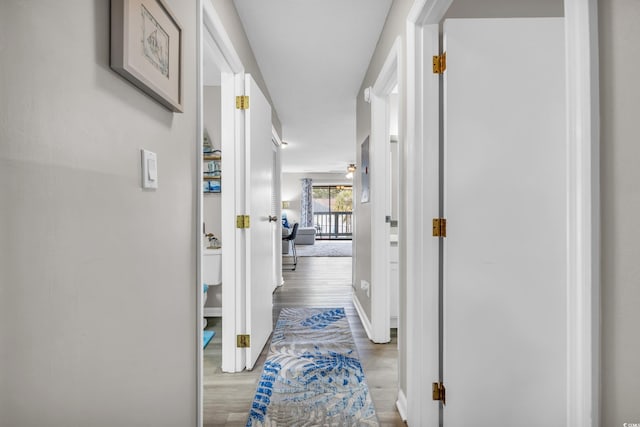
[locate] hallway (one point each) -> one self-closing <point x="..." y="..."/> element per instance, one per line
<point x="317" y="282"/>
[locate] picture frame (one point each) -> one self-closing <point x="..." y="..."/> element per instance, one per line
<point x="364" y="174"/>
<point x="146" y="49"/>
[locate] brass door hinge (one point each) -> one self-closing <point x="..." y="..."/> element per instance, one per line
<point x="440" y="63"/>
<point x="243" y="221"/>
<point x="439" y="393"/>
<point x="243" y="341"/>
<point x="439" y="227"/>
<point x="242" y="102"/>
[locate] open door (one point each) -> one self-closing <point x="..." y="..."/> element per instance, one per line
<point x="505" y="198"/>
<point x="276" y="212"/>
<point x="259" y="188"/>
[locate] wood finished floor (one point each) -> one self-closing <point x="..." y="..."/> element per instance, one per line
<point x="317" y="282"/>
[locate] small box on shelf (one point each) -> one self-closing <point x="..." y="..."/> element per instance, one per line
<point x="211" y="185"/>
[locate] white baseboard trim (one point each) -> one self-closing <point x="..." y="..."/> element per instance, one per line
<point x="366" y="324"/>
<point x="212" y="312"/>
<point x="401" y="404"/>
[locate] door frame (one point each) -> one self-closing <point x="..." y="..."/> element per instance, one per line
<point x="232" y="71"/>
<point x="228" y="61"/>
<point x="277" y="191"/>
<point x="388" y="78"/>
<point x="583" y="207"/>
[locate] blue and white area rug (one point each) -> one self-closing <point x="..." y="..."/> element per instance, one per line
<point x="312" y="375"/>
<point x="323" y="248"/>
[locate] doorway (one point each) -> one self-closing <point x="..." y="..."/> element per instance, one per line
<point x="215" y="184"/>
<point x="394" y="208"/>
<point x="388" y="201"/>
<point x="381" y="197"/>
<point x="581" y="198"/>
<point x="245" y="187"/>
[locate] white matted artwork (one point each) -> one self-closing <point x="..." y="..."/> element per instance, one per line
<point x="364" y="164"/>
<point x="146" y="49"/>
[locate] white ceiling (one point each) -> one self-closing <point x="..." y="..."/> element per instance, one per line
<point x="313" y="55"/>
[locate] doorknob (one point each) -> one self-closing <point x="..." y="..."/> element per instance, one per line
<point x="273" y="218"/>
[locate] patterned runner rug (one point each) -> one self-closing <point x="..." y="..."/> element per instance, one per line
<point x="312" y="375"/>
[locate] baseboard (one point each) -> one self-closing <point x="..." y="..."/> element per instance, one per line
<point x="366" y="324"/>
<point x="212" y="312"/>
<point x="401" y="404"/>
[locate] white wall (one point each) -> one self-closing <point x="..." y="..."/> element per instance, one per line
<point x="394" y="27"/>
<point x="394" y="149"/>
<point x="97" y="277"/>
<point x="620" y="103"/>
<point x="394" y="110"/>
<point x="211" y="204"/>
<point x="228" y="14"/>
<point x="212" y="215"/>
<point x="226" y="11"/>
<point x="212" y="115"/>
<point x="505" y="9"/>
<point x="292" y="189"/>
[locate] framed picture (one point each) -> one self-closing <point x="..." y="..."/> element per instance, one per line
<point x="146" y="49"/>
<point x="364" y="166"/>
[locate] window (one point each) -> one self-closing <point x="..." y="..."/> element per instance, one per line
<point x="332" y="211"/>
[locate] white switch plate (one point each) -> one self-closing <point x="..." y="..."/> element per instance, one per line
<point x="365" y="285"/>
<point x="149" y="169"/>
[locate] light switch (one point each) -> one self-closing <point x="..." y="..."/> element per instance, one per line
<point x="153" y="170"/>
<point x="149" y="169"/>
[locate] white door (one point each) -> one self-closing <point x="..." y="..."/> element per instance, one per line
<point x="260" y="175"/>
<point x="505" y="203"/>
<point x="276" y="203"/>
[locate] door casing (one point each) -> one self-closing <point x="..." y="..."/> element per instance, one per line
<point x="228" y="61"/>
<point x="388" y="78"/>
<point x="277" y="191"/>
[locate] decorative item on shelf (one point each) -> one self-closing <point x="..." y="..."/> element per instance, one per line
<point x="213" y="169"/>
<point x="207" y="146"/>
<point x="286" y="204"/>
<point x="214" y="242"/>
<point x="214" y="186"/>
<point x="211" y="185"/>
